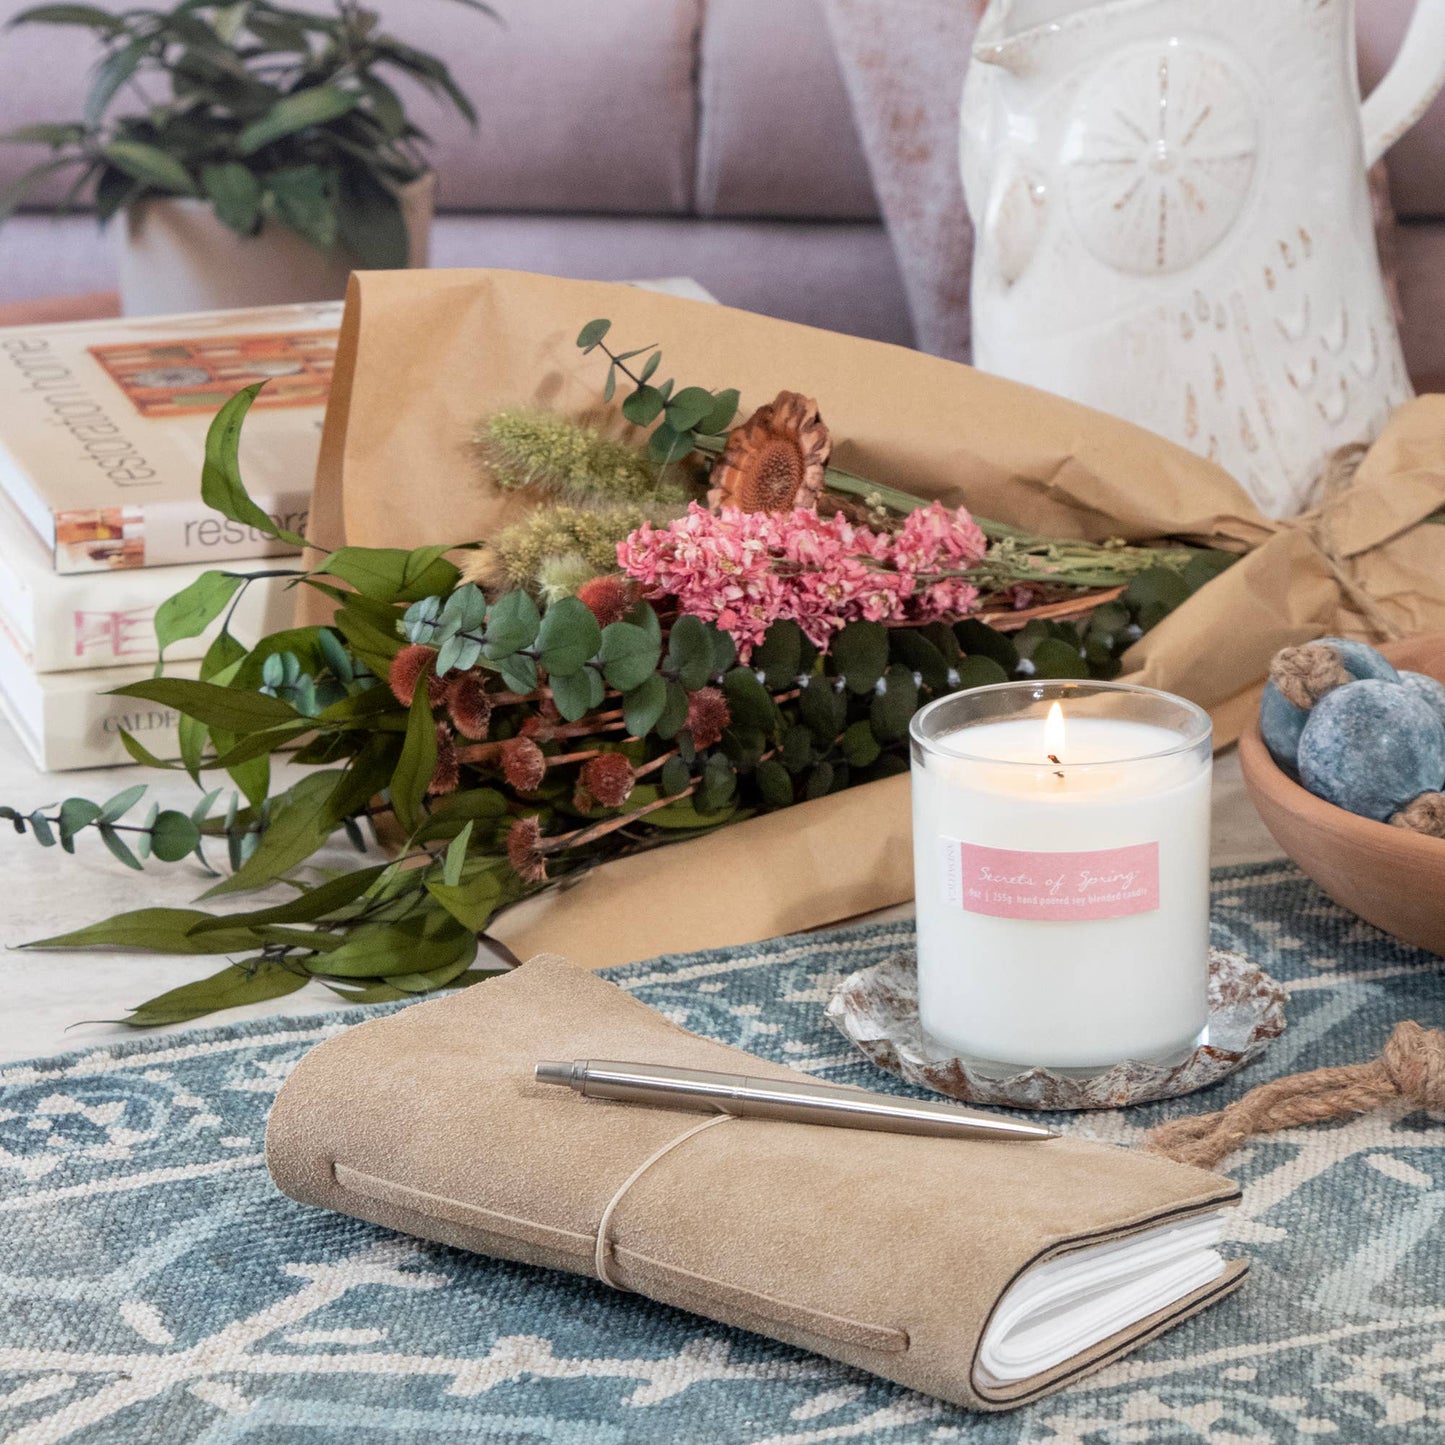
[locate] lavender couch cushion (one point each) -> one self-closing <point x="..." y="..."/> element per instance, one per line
<point x="1417" y="161"/>
<point x="777" y="136"/>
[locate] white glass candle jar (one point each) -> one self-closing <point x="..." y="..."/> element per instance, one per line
<point x="1061" y="854"/>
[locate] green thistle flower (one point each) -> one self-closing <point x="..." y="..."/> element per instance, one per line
<point x="561" y="576"/>
<point x="525" y="447"/>
<point x="587" y="537"/>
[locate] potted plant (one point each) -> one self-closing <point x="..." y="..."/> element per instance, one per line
<point x="270" y="158"/>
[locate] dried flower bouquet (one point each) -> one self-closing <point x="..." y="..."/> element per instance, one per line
<point x="675" y="639"/>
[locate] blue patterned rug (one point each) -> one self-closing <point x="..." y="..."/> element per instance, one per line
<point x="154" y="1287"/>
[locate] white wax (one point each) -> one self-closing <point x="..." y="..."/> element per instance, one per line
<point x="1063" y="991"/>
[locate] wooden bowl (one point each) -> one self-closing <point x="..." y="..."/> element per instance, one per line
<point x="1391" y="877"/>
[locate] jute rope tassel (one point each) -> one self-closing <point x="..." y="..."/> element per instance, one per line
<point x="1412" y="1067"/>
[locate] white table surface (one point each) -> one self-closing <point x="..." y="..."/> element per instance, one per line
<point x="51" y="1002"/>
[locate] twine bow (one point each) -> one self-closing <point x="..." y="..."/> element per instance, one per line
<point x="1316" y="527"/>
<point x="1411" y="1067"/>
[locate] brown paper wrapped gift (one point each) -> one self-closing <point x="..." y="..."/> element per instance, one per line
<point x="424" y="355"/>
<point x="888" y="1252"/>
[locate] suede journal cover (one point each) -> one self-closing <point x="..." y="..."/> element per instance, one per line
<point x="888" y="1252"/>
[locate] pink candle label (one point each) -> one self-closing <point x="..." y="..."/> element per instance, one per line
<point x="1067" y="887"/>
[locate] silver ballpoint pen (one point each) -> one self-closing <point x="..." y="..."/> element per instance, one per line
<point x="752" y="1098"/>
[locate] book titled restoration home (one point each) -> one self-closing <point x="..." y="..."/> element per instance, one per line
<point x="103" y="430"/>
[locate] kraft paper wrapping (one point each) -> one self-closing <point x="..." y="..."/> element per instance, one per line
<point x="888" y="1252"/>
<point x="424" y="355"/>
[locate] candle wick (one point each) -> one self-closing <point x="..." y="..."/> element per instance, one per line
<point x="1054" y="758"/>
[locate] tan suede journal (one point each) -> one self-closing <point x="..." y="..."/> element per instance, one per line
<point x="888" y="1252"/>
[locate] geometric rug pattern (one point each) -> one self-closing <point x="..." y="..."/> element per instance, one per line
<point x="155" y="1287"/>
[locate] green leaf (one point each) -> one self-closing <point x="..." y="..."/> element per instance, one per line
<point x="417" y="764"/>
<point x="568" y="637"/>
<point x="719" y="782"/>
<point x="689" y="407"/>
<point x="675" y="778"/>
<point x="722" y="415"/>
<point x="644" y="406"/>
<point x="1154" y="594"/>
<point x="118" y="846"/>
<point x="235" y="195"/>
<point x="307" y="907"/>
<point x="40" y="826"/>
<point x="456" y="856"/>
<point x="860" y="747"/>
<point x="980" y="640"/>
<point x="674" y="712"/>
<point x="370" y="223"/>
<point x="1056" y="658"/>
<point x="422" y="943"/>
<point x="592" y="333"/>
<point x="774" y="783"/>
<point x="892" y="709"/>
<point x="513" y="623"/>
<point x="644" y="705"/>
<point x="822" y="710"/>
<point x="301" y="821"/>
<point x="519" y="672"/>
<point x="155" y="930"/>
<point x="473" y="902"/>
<point x="629" y="655"/>
<point x="90" y="16"/>
<point x="689" y="652"/>
<point x="232" y="987"/>
<point x="780" y="655"/>
<point x="221" y="485"/>
<point x="110" y="75"/>
<point x="667" y="445"/>
<point x="749" y="702"/>
<point x="798" y="750"/>
<point x="820" y="782"/>
<point x="75" y="814"/>
<point x="229" y="709"/>
<point x="44" y="134"/>
<point x="1204" y="566"/>
<point x="149" y="164"/>
<point x="173" y="836"/>
<point x="860" y="653"/>
<point x="918" y="654"/>
<point x="194" y="608"/>
<point x="292" y="113"/>
<point x="121" y="804"/>
<point x="979" y="672"/>
<point x="577" y="694"/>
<point x="392" y="575"/>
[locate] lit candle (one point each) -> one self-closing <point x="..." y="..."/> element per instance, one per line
<point x="1061" y="848"/>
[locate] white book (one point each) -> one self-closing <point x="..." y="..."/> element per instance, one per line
<point x="66" y="622"/>
<point x="103" y="429"/>
<point x="67" y="722"/>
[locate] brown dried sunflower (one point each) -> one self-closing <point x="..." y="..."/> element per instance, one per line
<point x="775" y="460"/>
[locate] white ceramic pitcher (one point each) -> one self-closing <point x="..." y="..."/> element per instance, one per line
<point x="1174" y="223"/>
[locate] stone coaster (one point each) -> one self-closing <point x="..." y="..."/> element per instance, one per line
<point x="876" y="1009"/>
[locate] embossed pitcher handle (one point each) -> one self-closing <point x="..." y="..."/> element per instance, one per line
<point x="1411" y="83"/>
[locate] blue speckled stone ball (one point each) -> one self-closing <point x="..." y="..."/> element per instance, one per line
<point x="1427" y="687"/>
<point x="1371" y="747"/>
<point x="1361" y="660"/>
<point x="1280" y="724"/>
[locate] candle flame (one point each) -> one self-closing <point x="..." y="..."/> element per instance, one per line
<point x="1054" y="733"/>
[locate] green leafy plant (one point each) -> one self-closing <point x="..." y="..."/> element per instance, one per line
<point x="268" y="112"/>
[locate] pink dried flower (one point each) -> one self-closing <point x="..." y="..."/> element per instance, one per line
<point x="523" y="764"/>
<point x="608" y="779"/>
<point x="469" y="706"/>
<point x="524" y="850"/>
<point x="707" y="716"/>
<point x="448" y="771"/>
<point x="407" y="668"/>
<point x="747" y="570"/>
<point x="607" y="598"/>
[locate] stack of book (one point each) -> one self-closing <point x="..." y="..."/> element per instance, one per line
<point x="102" y="439"/>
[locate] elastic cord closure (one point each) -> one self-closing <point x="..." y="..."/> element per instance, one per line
<point x="603" y="1253"/>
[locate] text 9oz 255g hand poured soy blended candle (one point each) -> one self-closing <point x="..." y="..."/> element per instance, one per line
<point x="1061" y="856"/>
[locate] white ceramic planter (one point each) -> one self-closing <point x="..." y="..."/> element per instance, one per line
<point x="176" y="256"/>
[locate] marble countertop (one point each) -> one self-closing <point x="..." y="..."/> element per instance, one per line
<point x="51" y="1002"/>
